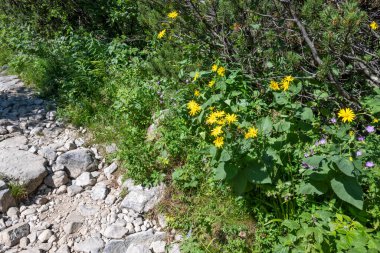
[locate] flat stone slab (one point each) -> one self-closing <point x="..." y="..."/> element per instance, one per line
<point x="21" y="166"/>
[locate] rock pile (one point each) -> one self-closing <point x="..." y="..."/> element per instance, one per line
<point x="74" y="202"/>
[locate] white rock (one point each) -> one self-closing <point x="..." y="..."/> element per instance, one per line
<point x="85" y="179"/>
<point x="45" y="235"/>
<point x="110" y="169"/>
<point x="99" y="192"/>
<point x="115" y="232"/>
<point x="90" y="245"/>
<point x="158" y="246"/>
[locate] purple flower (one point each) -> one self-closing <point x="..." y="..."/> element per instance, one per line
<point x="370" y="129"/>
<point x="369" y="164"/>
<point x="306" y="155"/>
<point x="360" y="138"/>
<point x="322" y="141"/>
<point x="306" y="166"/>
<point x="358" y="153"/>
<point x="333" y="120"/>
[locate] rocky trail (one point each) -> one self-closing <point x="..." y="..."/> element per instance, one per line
<point x="70" y="198"/>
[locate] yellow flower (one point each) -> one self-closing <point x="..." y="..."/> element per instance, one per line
<point x="346" y="114"/>
<point x="212" y="108"/>
<point x="197" y="93"/>
<point x="193" y="107"/>
<point x="221" y="122"/>
<point x="285" y="83"/>
<point x="221" y="71"/>
<point x="252" y="133"/>
<point x="161" y="34"/>
<point x="196" y="76"/>
<point x="220" y="114"/>
<point x="214" y="68"/>
<point x="351" y="133"/>
<point x="173" y="15"/>
<point x="351" y="159"/>
<point x="374" y="25"/>
<point x="211" y="119"/>
<point x="289" y="78"/>
<point x="211" y="83"/>
<point x="231" y="118"/>
<point x="217" y="131"/>
<point x="218" y="142"/>
<point x="274" y="85"/>
<point x="375" y="120"/>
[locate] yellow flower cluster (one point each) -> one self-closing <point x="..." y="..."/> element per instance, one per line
<point x="374" y="26"/>
<point x="346" y="114"/>
<point x="194" y="108"/>
<point x="173" y="15"/>
<point x="252" y="133"/>
<point x="197" y="93"/>
<point x="196" y="76"/>
<point x="161" y="34"/>
<point x="221" y="71"/>
<point x="284" y="85"/>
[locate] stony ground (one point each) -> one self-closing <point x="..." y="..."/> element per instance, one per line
<point x="70" y="198"/>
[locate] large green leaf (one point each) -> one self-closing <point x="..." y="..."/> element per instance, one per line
<point x="257" y="173"/>
<point x="313" y="187"/>
<point x="307" y="114"/>
<point x="220" y="173"/>
<point x="314" y="160"/>
<point x="225" y="156"/>
<point x="348" y="189"/>
<point x="265" y="125"/>
<point x="345" y="166"/>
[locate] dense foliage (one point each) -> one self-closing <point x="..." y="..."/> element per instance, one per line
<point x="261" y="116"/>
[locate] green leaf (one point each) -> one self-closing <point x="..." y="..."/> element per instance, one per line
<point x="307" y="114"/>
<point x="345" y="166"/>
<point x="220" y="173"/>
<point x="291" y="224"/>
<point x="265" y="125"/>
<point x="280" y="98"/>
<point x="225" y="156"/>
<point x="348" y="189"/>
<point x="313" y="187"/>
<point x="239" y="182"/>
<point x="257" y="173"/>
<point x="282" y="126"/>
<point x="314" y="160"/>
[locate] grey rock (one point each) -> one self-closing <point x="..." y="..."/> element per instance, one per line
<point x="74" y="190"/>
<point x="115" y="232"/>
<point x="72" y="227"/>
<point x="12" y="235"/>
<point x="2" y="224"/>
<point x="99" y="192"/>
<point x="138" y="249"/>
<point x="3" y="185"/>
<point x="13" y="212"/>
<point x="110" y="169"/>
<point x="22" y="166"/>
<point x="175" y="248"/>
<point x="36" y="131"/>
<point x="158" y="246"/>
<point x="56" y="179"/>
<point x="143" y="200"/>
<point x="24" y="242"/>
<point x="6" y="200"/>
<point x="90" y="245"/>
<point x="70" y="145"/>
<point x="85" y="179"/>
<point x="48" y="153"/>
<point x="110" y="199"/>
<point x="45" y="235"/>
<point x="77" y="161"/>
<point x="142" y="238"/>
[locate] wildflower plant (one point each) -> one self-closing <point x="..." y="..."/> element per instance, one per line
<point x="262" y="138"/>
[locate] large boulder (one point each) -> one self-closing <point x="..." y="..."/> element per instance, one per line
<point x="77" y="161"/>
<point x="142" y="200"/>
<point x="142" y="238"/>
<point x="22" y="166"/>
<point x="12" y="235"/>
